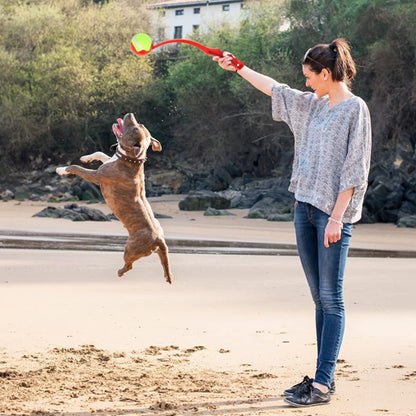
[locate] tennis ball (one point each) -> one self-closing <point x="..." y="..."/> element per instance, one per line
<point x="142" y="43"/>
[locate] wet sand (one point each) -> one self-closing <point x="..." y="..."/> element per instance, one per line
<point x="225" y="338"/>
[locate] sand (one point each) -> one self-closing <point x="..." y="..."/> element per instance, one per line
<point x="226" y="338"/>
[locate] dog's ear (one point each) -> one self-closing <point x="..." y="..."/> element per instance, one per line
<point x="156" y="146"/>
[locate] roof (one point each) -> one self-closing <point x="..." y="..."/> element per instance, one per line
<point x="167" y="4"/>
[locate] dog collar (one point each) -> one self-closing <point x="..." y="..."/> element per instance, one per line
<point x="135" y="161"/>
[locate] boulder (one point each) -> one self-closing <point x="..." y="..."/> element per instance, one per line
<point x="281" y="217"/>
<point x="73" y="212"/>
<point x="272" y="207"/>
<point x="245" y="199"/>
<point x="7" y="195"/>
<point x="162" y="216"/>
<point x="212" y="212"/>
<point x="408" y="221"/>
<point x="90" y="192"/>
<point x="201" y="200"/>
<point x="410" y="195"/>
<point x="22" y="192"/>
<point x="160" y="182"/>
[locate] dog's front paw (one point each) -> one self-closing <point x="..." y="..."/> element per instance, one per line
<point x="61" y="171"/>
<point x="86" y="159"/>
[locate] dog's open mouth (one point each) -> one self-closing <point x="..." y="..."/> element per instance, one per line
<point x="118" y="128"/>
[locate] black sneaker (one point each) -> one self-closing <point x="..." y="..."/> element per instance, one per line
<point x="293" y="389"/>
<point x="307" y="395"/>
<point x="306" y="380"/>
<point x="332" y="388"/>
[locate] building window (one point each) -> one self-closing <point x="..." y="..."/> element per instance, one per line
<point x="195" y="27"/>
<point x="226" y="8"/>
<point x="179" y="12"/>
<point x="197" y="10"/>
<point x="178" y="32"/>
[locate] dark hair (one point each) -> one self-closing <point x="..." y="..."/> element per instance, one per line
<point x="336" y="57"/>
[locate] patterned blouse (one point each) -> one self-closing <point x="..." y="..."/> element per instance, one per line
<point x="332" y="147"/>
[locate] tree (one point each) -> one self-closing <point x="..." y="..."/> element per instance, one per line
<point x="67" y="73"/>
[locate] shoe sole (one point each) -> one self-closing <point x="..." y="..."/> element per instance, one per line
<point x="291" y="394"/>
<point x="306" y="405"/>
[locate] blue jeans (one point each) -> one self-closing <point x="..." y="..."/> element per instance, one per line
<point x="324" y="270"/>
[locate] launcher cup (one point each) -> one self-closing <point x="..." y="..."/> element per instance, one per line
<point x="141" y="44"/>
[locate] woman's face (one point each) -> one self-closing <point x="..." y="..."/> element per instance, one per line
<point x="318" y="82"/>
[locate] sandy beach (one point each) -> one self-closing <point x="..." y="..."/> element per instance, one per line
<point x="226" y="338"/>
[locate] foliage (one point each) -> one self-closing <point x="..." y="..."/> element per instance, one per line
<point x="224" y="118"/>
<point x="383" y="36"/>
<point x="67" y="73"/>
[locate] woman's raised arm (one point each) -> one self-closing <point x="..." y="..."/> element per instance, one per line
<point x="259" y="81"/>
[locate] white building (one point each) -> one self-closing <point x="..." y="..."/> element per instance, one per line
<point x="175" y="19"/>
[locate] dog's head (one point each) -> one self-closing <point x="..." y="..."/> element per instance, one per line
<point x="134" y="138"/>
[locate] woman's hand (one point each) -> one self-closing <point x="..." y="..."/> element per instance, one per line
<point x="225" y="61"/>
<point x="333" y="232"/>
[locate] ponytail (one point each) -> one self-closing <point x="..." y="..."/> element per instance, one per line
<point x="336" y="57"/>
<point x="344" y="66"/>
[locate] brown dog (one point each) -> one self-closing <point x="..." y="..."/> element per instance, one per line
<point x="121" y="179"/>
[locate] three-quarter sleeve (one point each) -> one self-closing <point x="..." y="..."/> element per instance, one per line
<point x="291" y="106"/>
<point x="354" y="173"/>
<point x="356" y="165"/>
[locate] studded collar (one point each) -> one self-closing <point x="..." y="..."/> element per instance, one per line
<point x="133" y="160"/>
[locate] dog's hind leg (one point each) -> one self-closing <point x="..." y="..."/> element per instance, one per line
<point x="102" y="157"/>
<point x="128" y="264"/>
<point x="126" y="268"/>
<point x="162" y="252"/>
<point x="131" y="254"/>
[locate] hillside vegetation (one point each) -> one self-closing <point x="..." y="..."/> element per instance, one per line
<point x="67" y="73"/>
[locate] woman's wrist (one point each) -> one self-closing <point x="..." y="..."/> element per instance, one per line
<point x="335" y="221"/>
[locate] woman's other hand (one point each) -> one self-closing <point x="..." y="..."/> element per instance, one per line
<point x="332" y="233"/>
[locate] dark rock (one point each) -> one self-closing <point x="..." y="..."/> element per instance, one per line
<point x="77" y="191"/>
<point x="73" y="212"/>
<point x="198" y="181"/>
<point x="408" y="221"/>
<point x="22" y="192"/>
<point x="7" y="195"/>
<point x="407" y="208"/>
<point x="281" y="217"/>
<point x="394" y="199"/>
<point x="244" y="200"/>
<point x="387" y="215"/>
<point x="201" y="200"/>
<point x="261" y="209"/>
<point x="212" y="212"/>
<point x="112" y="217"/>
<point x="384" y="198"/>
<point x="367" y="217"/>
<point x="269" y="206"/>
<point x="410" y="196"/>
<point x="163" y="181"/>
<point x="56" y="212"/>
<point x="162" y="216"/>
<point x="90" y="192"/>
<point x="221" y="178"/>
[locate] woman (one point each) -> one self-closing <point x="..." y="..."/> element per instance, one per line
<point x="332" y="133"/>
